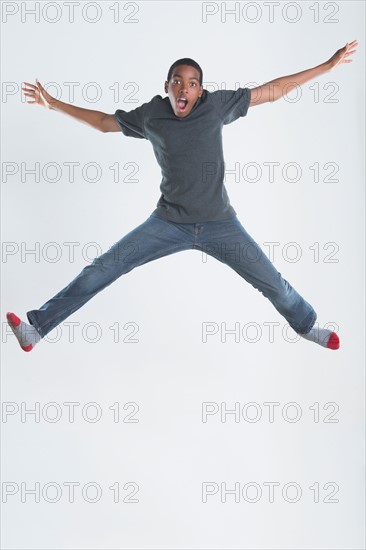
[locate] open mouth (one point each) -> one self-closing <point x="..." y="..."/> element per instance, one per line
<point x="182" y="103"/>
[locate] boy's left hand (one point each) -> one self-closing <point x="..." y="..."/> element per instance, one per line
<point x="341" y="55"/>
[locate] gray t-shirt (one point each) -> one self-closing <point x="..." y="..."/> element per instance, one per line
<point x="189" y="152"/>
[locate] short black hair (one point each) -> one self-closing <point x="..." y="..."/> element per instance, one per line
<point x="186" y="61"/>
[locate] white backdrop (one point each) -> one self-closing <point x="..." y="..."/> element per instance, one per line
<point x="150" y="397"/>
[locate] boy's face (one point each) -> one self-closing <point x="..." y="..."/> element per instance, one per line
<point x="184" y="83"/>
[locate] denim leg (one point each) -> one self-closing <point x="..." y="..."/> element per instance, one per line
<point x="229" y="242"/>
<point x="153" y="239"/>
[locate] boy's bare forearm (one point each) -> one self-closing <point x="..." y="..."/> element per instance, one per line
<point x="282" y="85"/>
<point x="87" y="116"/>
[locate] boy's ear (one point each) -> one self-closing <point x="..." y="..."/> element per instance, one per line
<point x="166" y="86"/>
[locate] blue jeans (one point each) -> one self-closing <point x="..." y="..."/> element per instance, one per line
<point x="225" y="240"/>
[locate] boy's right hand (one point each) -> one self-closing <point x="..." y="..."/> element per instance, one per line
<point x="39" y="95"/>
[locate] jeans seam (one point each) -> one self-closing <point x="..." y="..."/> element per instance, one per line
<point x="35" y="323"/>
<point x="311" y="322"/>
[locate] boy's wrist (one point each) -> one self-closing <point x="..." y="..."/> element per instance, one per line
<point x="55" y="105"/>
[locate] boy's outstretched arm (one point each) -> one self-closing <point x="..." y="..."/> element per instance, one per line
<point x="98" y="120"/>
<point x="275" y="89"/>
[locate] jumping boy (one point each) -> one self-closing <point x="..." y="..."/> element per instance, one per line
<point x="194" y="211"/>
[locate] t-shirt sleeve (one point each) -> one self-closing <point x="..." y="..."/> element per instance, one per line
<point x="231" y="104"/>
<point x="132" y="122"/>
